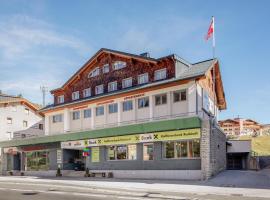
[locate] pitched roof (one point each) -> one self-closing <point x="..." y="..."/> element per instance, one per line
<point x="6" y="99"/>
<point x="198" y="69"/>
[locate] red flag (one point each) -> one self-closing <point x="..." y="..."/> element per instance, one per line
<point x="210" y="30"/>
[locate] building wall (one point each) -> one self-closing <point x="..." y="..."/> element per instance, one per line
<point x="158" y="163"/>
<point x="133" y="69"/>
<point x="185" y="108"/>
<point x="18" y="116"/>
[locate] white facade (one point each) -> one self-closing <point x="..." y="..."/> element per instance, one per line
<point x="191" y="106"/>
<point x="16" y="117"/>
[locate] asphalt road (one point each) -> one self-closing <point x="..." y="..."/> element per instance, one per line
<point x="11" y="189"/>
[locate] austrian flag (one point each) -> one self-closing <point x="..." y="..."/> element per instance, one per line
<point x="211" y="29"/>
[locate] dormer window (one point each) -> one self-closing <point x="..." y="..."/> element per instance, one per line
<point x="160" y="74"/>
<point x="94" y="72"/>
<point x="99" y="89"/>
<point x="106" y="68"/>
<point x="60" y="99"/>
<point x="119" y="65"/>
<point x="75" y="95"/>
<point x="127" y="82"/>
<point x="87" y="92"/>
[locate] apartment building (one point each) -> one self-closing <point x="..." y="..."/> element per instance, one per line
<point x="134" y="116"/>
<point x="16" y="113"/>
<point x="240" y="126"/>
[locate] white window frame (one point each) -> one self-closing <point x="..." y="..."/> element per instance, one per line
<point x="119" y="65"/>
<point x="95" y="72"/>
<point x="75" y="95"/>
<point x="9" y="120"/>
<point x="99" y="114"/>
<point x="125" y="81"/>
<point x="84" y="111"/>
<point x="128" y="107"/>
<point x="158" y="74"/>
<point x="107" y="67"/>
<point x="26" y="111"/>
<point x="76" y="115"/>
<point x="112" y="86"/>
<point x="61" y="99"/>
<point x="180" y="95"/>
<point x="98" y="87"/>
<point x="87" y="92"/>
<point x="115" y="105"/>
<point x="144" y="105"/>
<point x="57" y="118"/>
<point x="143" y="78"/>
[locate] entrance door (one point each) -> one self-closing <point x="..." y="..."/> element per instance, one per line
<point x="234" y="162"/>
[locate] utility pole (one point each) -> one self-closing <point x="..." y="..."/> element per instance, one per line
<point x="43" y="89"/>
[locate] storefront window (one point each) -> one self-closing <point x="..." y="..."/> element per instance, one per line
<point x="37" y="160"/>
<point x="196" y="148"/>
<point x="122" y="152"/>
<point x="148" y="151"/>
<point x="182" y="149"/>
<point x="169" y="149"/>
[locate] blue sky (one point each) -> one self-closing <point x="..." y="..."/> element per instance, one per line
<point x="45" y="42"/>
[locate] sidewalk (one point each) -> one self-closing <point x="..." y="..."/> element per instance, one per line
<point x="229" y="183"/>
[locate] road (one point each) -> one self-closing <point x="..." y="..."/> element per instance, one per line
<point x="35" y="188"/>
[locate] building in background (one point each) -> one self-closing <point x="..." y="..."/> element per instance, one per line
<point x="134" y="116"/>
<point x="16" y="114"/>
<point x="36" y="130"/>
<point x="240" y="126"/>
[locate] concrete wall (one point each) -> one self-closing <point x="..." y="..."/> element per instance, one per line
<point x="17" y="112"/>
<point x="158" y="163"/>
<point x="239" y="146"/>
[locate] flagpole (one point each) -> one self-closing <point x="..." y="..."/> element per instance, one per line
<point x="214" y="73"/>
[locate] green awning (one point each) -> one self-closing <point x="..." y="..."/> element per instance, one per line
<point x="157" y="126"/>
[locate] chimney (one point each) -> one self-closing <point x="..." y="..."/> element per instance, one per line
<point x="145" y="54"/>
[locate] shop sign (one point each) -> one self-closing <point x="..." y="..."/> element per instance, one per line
<point x="11" y="150"/>
<point x="74" y="144"/>
<point x="95" y="154"/>
<point x="59" y="156"/>
<point x="134" y="96"/>
<point x="138" y="138"/>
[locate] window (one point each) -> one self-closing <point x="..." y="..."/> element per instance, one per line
<point x="127" y="105"/>
<point x="99" y="110"/>
<point x="119" y="65"/>
<point x="143" y="78"/>
<point x="87" y="113"/>
<point x="37" y="160"/>
<point x="106" y="68"/>
<point x="143" y="102"/>
<point x="182" y="149"/>
<point x="99" y="89"/>
<point x="75" y="95"/>
<point x="14" y="108"/>
<point x="127" y="82"/>
<point x="57" y="118"/>
<point x="160" y="74"/>
<point x="122" y="152"/>
<point x="179" y="96"/>
<point x="112" y="86"/>
<point x="160" y="99"/>
<point x="76" y="115"/>
<point x="40" y="126"/>
<point x="148" y="151"/>
<point x="113" y="108"/>
<point x="94" y="72"/>
<point x="60" y="99"/>
<point x="26" y="110"/>
<point x="9" y="120"/>
<point x="25" y="124"/>
<point x="87" y="92"/>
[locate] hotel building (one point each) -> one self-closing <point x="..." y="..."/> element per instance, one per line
<point x="134" y="116"/>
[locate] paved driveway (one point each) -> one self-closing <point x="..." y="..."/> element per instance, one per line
<point x="243" y="179"/>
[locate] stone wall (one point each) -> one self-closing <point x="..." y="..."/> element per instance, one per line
<point x="213" y="150"/>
